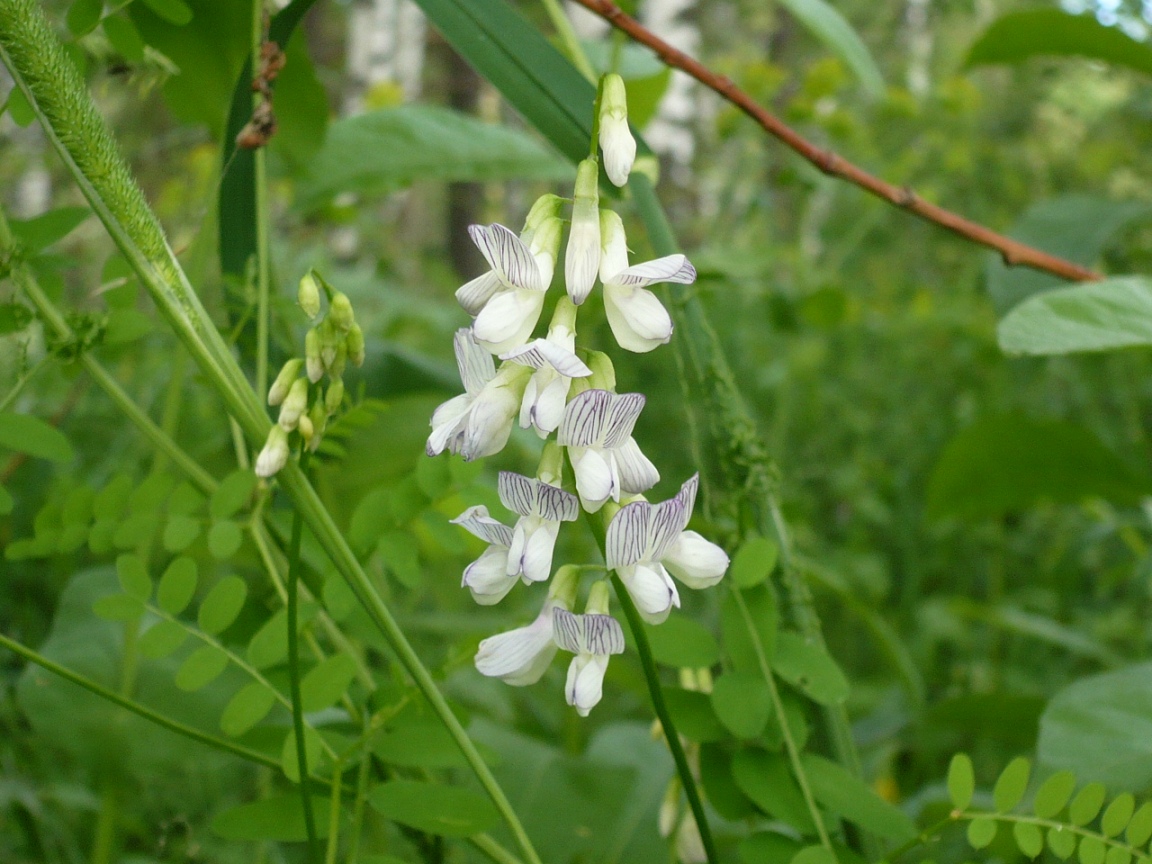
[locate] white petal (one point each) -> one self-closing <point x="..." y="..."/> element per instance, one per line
<point x="652" y="590"/>
<point x="544" y="352"/>
<point x="614" y="245"/>
<point x="637" y="473"/>
<point x="588" y="633"/>
<point x="477" y="522"/>
<point x="475" y="364"/>
<point x="548" y="412"/>
<point x="638" y="320"/>
<point x="594" y="479"/>
<point x="555" y="505"/>
<point x="528" y="402"/>
<point x="619" y="148"/>
<point x="448" y="421"/>
<point x="508" y="320"/>
<point x="517" y="492"/>
<point x="626" y="540"/>
<point x="696" y="562"/>
<point x="520" y="656"/>
<point x="585" y="683"/>
<point x="622" y="416"/>
<point x="668" y="520"/>
<point x="582" y="257"/>
<point x="536" y="563"/>
<point x="670" y="268"/>
<point x="585" y="419"/>
<point x="474" y="294"/>
<point x="489" y="423"/>
<point x="487" y="576"/>
<point x="507" y="255"/>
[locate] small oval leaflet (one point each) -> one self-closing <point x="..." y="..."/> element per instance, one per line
<point x="961" y="781"/>
<point x="313" y="750"/>
<point x="177" y="585"/>
<point x="1116" y="816"/>
<point x="742" y="703"/>
<point x="1086" y="804"/>
<point x="767" y="780"/>
<point x="134" y="578"/>
<point x="1140" y="827"/>
<point x="247" y="708"/>
<point x="1028" y="838"/>
<point x="222" y="605"/>
<point x="754" y="562"/>
<point x="118" y="607"/>
<point x="1061" y="842"/>
<point x="444" y="810"/>
<point x="278" y="818"/>
<point x="1118" y="855"/>
<point x="693" y="715"/>
<point x="981" y="832"/>
<point x="1053" y="794"/>
<point x="161" y="639"/>
<point x="682" y="642"/>
<point x="232" y="494"/>
<point x="809" y="668"/>
<point x="1011" y="784"/>
<point x="768" y="847"/>
<point x="1092" y="850"/>
<point x="180" y="533"/>
<point x="31" y="435"/>
<point x="326" y="683"/>
<point x="842" y="792"/>
<point x="201" y="668"/>
<point x="224" y="539"/>
<point x="813" y="855"/>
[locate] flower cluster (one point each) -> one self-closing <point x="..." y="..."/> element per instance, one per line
<point x="549" y="385"/>
<point x="305" y="404"/>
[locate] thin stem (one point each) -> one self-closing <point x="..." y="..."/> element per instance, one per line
<point x="262" y="218"/>
<point x="492" y="849"/>
<point x="1012" y="251"/>
<point x="294" y="673"/>
<point x="569" y="39"/>
<point x="648" y="664"/>
<point x="358" y="805"/>
<point x="18" y="387"/>
<point x="334" y="816"/>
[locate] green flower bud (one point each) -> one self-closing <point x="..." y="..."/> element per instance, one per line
<point x="354" y="342"/>
<point x="314" y="354"/>
<point x="308" y="295"/>
<point x="295" y="404"/>
<point x="288" y="374"/>
<point x="334" y="396"/>
<point x="340" y="312"/>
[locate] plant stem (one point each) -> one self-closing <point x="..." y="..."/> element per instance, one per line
<point x="262" y="220"/>
<point x="6" y="403"/>
<point x="656" y="691"/>
<point x="294" y="674"/>
<point x="570" y="40"/>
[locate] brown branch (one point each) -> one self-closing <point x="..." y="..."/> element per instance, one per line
<point x="1012" y="251"/>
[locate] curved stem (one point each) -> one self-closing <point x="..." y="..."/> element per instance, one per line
<point x="683" y="769"/>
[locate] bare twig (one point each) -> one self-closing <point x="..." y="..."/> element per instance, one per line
<point x="1012" y="251"/>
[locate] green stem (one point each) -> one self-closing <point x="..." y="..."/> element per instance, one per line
<point x="18" y="387"/>
<point x="334" y="816"/>
<point x="492" y="849"/>
<point x="294" y="674"/>
<point x="262" y="220"/>
<point x="648" y="664"/>
<point x="74" y="128"/>
<point x="569" y="39"/>
<point x="358" y="805"/>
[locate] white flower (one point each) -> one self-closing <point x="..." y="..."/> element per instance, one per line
<point x="593" y="637"/>
<point x="294" y="404"/>
<point x="283" y="382"/>
<point x="487" y="577"/>
<point x="541" y="509"/>
<point x="616" y="141"/>
<point x="519" y="657"/>
<point x="638" y="320"/>
<point x="478" y="422"/>
<point x="556" y="364"/>
<point x="597" y="430"/>
<point x="646" y="541"/>
<point x="582" y="257"/>
<point x="509" y="316"/>
<point x="274" y="456"/>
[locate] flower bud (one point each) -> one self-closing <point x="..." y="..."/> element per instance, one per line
<point x="313" y="351"/>
<point x="305" y="428"/>
<point x="295" y="404"/>
<point x="339" y="359"/>
<point x="288" y="374"/>
<point x="354" y="342"/>
<point x="598" y="598"/>
<point x="603" y="375"/>
<point x="308" y="295"/>
<point x="340" y="312"/>
<point x="551" y="466"/>
<point x="616" y="141"/>
<point x="319" y="419"/>
<point x="582" y="257"/>
<point x="335" y="395"/>
<point x="274" y="456"/>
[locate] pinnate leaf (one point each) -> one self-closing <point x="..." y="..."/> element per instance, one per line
<point x="961" y="781"/>
<point x="1116" y="816"/>
<point x="1053" y="794"/>
<point x="161" y="639"/>
<point x="326" y="683"/>
<point x="981" y="832"/>
<point x="232" y="493"/>
<point x="279" y="818"/>
<point x="1086" y="804"/>
<point x="754" y="562"/>
<point x="27" y="434"/>
<point x="1062" y="842"/>
<point x="682" y="642"/>
<point x="224" y="539"/>
<point x="1028" y="838"/>
<point x="1140" y="826"/>
<point x="201" y="668"/>
<point x="134" y="577"/>
<point x="222" y="605"/>
<point x="177" y="585"/>
<point x="742" y="703"/>
<point x="810" y="669"/>
<point x="247" y="708"/>
<point x="1092" y="850"/>
<point x="434" y="809"/>
<point x="1011" y="784"/>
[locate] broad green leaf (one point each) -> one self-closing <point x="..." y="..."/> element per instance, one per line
<point x="754" y="562"/>
<point x="741" y="645"/>
<point x="201" y="668"/>
<point x="27" y="434"/>
<point x="720" y="786"/>
<point x="401" y="556"/>
<point x="981" y="832"/>
<point x="127" y="325"/>
<point x="180" y="533"/>
<point x="1092" y="850"/>
<point x="767" y="780"/>
<point x="768" y="847"/>
<point x="742" y="703"/>
<point x="1100" y="728"/>
<point x="831" y="28"/>
<point x="232" y="494"/>
<point x="222" y="605"/>
<point x="1086" y="804"/>
<point x="810" y="669"/>
<point x="247" y="708"/>
<point x="313" y="752"/>
<point x="280" y="818"/>
<point x="177" y="585"/>
<point x="1061" y="842"/>
<point x="961" y="781"/>
<point x="1053" y="794"/>
<point x="1117" y="814"/>
<point x="844" y="793"/>
<point x="161" y="639"/>
<point x="1010" y="463"/>
<point x="173" y="11"/>
<point x="680" y="641"/>
<point x="444" y="810"/>
<point x="814" y="855"/>
<point x="1011" y="784"/>
<point x="125" y="38"/>
<point x="1028" y="838"/>
<point x="1092" y="316"/>
<point x="269" y="645"/>
<point x="116" y="607"/>
<point x="1017" y="36"/>
<point x="1118" y="855"/>
<point x="388" y="149"/>
<point x="224" y="539"/>
<point x="693" y="715"/>
<point x="1140" y="827"/>
<point x="83" y="16"/>
<point x="325" y="684"/>
<point x="419" y="745"/>
<point x="42" y="231"/>
<point x="134" y="578"/>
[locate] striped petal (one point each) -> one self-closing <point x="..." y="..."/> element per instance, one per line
<point x="670" y="268"/>
<point x="625" y="408"/>
<point x="474" y="294"/>
<point x="626" y="540"/>
<point x="517" y="492"/>
<point x="475" y="364"/>
<point x="477" y="522"/>
<point x="511" y="260"/>
<point x="585" y="418"/>
<point x="637" y="473"/>
<point x="587" y="634"/>
<point x="540" y="353"/>
<point x="556" y="505"/>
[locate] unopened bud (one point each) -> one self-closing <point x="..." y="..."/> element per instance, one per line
<point x="288" y="374"/>
<point x="598" y="597"/>
<point x="305" y="428"/>
<point x="319" y="419"/>
<point x="340" y="312"/>
<point x="274" y="456"/>
<point x="313" y="350"/>
<point x="335" y="395"/>
<point x="339" y="360"/>
<point x="354" y="342"/>
<point x="308" y="295"/>
<point x="295" y="404"/>
<point x="616" y="141"/>
<point x="603" y="375"/>
<point x="582" y="257"/>
<point x="551" y="466"/>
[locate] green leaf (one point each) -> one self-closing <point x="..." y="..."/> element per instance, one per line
<point x="419" y="745"/>
<point x="1091" y="850"/>
<point x="1011" y="784"/>
<point x="116" y="607"/>
<point x="810" y="669"/>
<point x="1009" y="463"/>
<point x="232" y="494"/>
<point x="754" y="562"/>
<point x="180" y="533"/>
<point x="1029" y="838"/>
<point x="6" y="502"/>
<point x="1140" y="827"/>
<point x="739" y="644"/>
<point x="14" y="317"/>
<point x="767" y="780"/>
<point x="201" y="668"/>
<point x="720" y="786"/>
<point x="1116" y="816"/>
<point x="222" y="605"/>
<point x="126" y="325"/>
<point x="1093" y="316"/>
<point x="742" y="703"/>
<point x="844" y="793"/>
<point x="434" y="809"/>
<point x="269" y="645"/>
<point x="301" y="106"/>
<point x="402" y="557"/>
<point x="224" y="539"/>
<point x="1053" y="794"/>
<point x="1086" y="804"/>
<point x="27" y="434"/>
<point x="1118" y="855"/>
<point x="814" y="855"/>
<point x="961" y="781"/>
<point x="1061" y="842"/>
<point x="693" y="715"/>
<point x="134" y="578"/>
<point x="313" y="752"/>
<point x="173" y="11"/>
<point x="247" y="708"/>
<point x="325" y="684"/>
<point x="388" y="149"/>
<point x="83" y="16"/>
<point x="40" y="232"/>
<point x="1017" y="36"/>
<point x="177" y="585"/>
<point x="280" y="818"/>
<point x="20" y="110"/>
<point x="981" y="832"/>
<point x="125" y="38"/>
<point x="682" y="642"/>
<point x="768" y="847"/>
<point x="161" y="639"/>
<point x="831" y="28"/>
